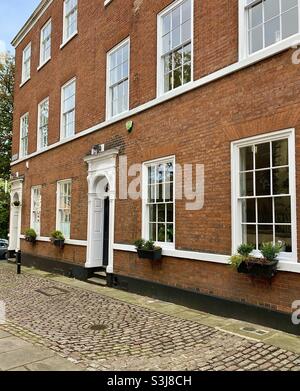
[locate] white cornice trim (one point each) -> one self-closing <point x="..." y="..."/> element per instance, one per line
<point x="206" y="257"/>
<point x="39" y="11"/>
<point x="230" y="69"/>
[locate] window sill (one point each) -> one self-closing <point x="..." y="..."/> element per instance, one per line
<point x="24" y="82"/>
<point x="175" y="91"/>
<point x="68" y="40"/>
<point x="42" y="149"/>
<point x="43" y="64"/>
<point x="72" y="242"/>
<point x="115" y="117"/>
<point x="65" y="139"/>
<point x="277" y="47"/>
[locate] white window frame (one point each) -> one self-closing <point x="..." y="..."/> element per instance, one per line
<point x="160" y="63"/>
<point x="236" y="210"/>
<point x="62" y="136"/>
<point x="58" y="227"/>
<point x="25" y="77"/>
<point x="32" y="223"/>
<point x="145" y="210"/>
<point x="65" y="37"/>
<point x="23" y="153"/>
<point x="108" y="86"/>
<point x="39" y="147"/>
<point x="243" y="34"/>
<point x="42" y="47"/>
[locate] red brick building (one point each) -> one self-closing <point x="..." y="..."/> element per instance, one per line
<point x="161" y="84"/>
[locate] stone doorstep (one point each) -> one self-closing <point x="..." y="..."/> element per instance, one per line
<point x="232" y="326"/>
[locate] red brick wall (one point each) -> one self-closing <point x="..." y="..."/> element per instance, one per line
<point x="196" y="127"/>
<point x="213" y="279"/>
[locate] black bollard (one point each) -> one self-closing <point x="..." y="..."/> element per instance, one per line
<point x="18" y="260"/>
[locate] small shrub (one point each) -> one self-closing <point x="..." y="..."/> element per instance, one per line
<point x="236" y="260"/>
<point x="270" y="251"/>
<point x="149" y="245"/>
<point x="30" y="233"/>
<point x="142" y="244"/>
<point x="246" y="249"/>
<point x="139" y="244"/>
<point x="57" y="235"/>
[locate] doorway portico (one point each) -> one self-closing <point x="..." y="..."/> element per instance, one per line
<point x="101" y="209"/>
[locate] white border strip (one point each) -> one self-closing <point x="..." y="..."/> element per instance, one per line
<point x="206" y="257"/>
<point x="270" y="51"/>
<point x="72" y="242"/>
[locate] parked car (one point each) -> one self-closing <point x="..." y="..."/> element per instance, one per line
<point x="3" y="248"/>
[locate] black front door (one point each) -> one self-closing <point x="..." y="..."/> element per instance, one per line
<point x="106" y="232"/>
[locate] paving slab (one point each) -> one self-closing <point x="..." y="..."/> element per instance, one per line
<point x="12" y="343"/>
<point x="3" y="334"/>
<point x="250" y="330"/>
<point x="18" y="369"/>
<point x="54" y="363"/>
<point x="14" y="359"/>
<point x="289" y="342"/>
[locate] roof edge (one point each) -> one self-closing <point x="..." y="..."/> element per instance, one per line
<point x="38" y="12"/>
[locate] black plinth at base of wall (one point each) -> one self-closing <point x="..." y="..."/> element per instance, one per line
<point x="210" y="304"/>
<point x="53" y="266"/>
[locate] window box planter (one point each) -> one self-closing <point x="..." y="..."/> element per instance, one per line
<point x="153" y="255"/>
<point x="259" y="268"/>
<point x="58" y="242"/>
<point x="30" y="239"/>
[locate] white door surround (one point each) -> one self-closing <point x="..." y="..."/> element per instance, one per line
<point x="101" y="184"/>
<point x="15" y="215"/>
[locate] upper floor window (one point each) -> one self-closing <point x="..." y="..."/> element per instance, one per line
<point x="24" y="135"/>
<point x="118" y="80"/>
<point x="43" y="120"/>
<point x="265" y="192"/>
<point x="68" y="109"/>
<point x="270" y="21"/>
<point x="64" y="207"/>
<point x="36" y="209"/>
<point x="70" y="19"/>
<point x="159" y="198"/>
<point x="175" y="46"/>
<point x="45" y="45"/>
<point x="26" y="63"/>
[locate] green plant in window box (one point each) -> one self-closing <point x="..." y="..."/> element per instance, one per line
<point x="30" y="235"/>
<point x="57" y="238"/>
<point x="148" y="250"/>
<point x="264" y="266"/>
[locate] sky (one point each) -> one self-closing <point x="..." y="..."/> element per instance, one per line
<point x="13" y="15"/>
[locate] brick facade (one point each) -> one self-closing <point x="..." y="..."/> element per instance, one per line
<point x="197" y="127"/>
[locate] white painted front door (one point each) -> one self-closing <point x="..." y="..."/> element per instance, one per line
<point x="97" y="232"/>
<point x="15" y="234"/>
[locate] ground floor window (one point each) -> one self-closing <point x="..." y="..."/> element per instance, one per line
<point x="264" y="191"/>
<point x="36" y="209"/>
<point x="64" y="207"/>
<point x="159" y="203"/>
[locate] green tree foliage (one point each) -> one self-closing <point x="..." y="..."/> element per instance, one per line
<point x="4" y="210"/>
<point x="7" y="75"/>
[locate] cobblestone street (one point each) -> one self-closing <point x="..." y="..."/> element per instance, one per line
<point x="103" y="331"/>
